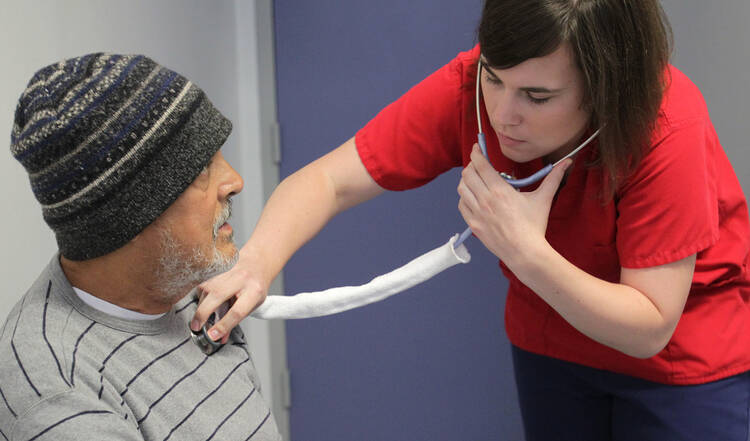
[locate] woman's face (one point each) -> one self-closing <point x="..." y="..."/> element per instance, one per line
<point x="536" y="107"/>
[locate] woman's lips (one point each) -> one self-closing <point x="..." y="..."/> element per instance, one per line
<point x="507" y="141"/>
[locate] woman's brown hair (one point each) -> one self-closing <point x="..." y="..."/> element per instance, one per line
<point x="622" y="48"/>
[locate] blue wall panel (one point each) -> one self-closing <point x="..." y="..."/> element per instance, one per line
<point x="432" y="363"/>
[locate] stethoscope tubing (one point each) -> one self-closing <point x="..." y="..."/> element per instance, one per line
<point x="515" y="183"/>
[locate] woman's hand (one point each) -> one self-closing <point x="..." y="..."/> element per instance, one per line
<point x="511" y="224"/>
<point x="298" y="208"/>
<point x="243" y="286"/>
<point x="636" y="316"/>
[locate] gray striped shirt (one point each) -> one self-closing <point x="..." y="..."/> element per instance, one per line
<point x="71" y="372"/>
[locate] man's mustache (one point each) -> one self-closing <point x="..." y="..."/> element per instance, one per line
<point x="224" y="215"/>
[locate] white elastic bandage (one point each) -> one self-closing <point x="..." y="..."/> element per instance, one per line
<point x="344" y="298"/>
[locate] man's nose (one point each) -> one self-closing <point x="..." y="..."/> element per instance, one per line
<point x="233" y="182"/>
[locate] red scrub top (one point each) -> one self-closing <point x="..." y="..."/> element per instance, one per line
<point x="684" y="198"/>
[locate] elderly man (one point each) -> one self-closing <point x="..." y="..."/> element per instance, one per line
<point x="123" y="155"/>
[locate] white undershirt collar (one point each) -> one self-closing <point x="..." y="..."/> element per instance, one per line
<point x="112" y="309"/>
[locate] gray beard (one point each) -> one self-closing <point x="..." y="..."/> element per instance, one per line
<point x="180" y="270"/>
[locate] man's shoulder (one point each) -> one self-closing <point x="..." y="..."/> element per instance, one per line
<point x="34" y="298"/>
<point x="30" y="342"/>
<point x="27" y="376"/>
<point x="42" y="297"/>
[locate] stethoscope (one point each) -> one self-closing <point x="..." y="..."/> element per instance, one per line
<point x="334" y="300"/>
<point x="201" y="338"/>
<point x="515" y="183"/>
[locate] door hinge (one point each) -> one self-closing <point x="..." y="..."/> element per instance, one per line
<point x="286" y="389"/>
<point x="275" y="143"/>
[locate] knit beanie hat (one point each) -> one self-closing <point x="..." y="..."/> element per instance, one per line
<point x="109" y="142"/>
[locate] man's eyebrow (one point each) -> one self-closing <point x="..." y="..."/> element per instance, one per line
<point x="532" y="89"/>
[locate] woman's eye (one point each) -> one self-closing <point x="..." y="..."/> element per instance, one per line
<point x="537" y="100"/>
<point x="492" y="80"/>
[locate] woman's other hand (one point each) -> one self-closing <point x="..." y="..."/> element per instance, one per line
<point x="511" y="224"/>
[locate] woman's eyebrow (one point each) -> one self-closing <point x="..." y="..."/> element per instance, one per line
<point x="486" y="67"/>
<point x="531" y="89"/>
<point x="539" y="90"/>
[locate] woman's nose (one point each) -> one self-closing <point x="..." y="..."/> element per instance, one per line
<point x="506" y="112"/>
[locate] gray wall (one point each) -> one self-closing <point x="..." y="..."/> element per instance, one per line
<point x="712" y="46"/>
<point x="224" y="46"/>
<point x="37" y="33"/>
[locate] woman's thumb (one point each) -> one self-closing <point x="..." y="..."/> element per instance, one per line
<point x="551" y="182"/>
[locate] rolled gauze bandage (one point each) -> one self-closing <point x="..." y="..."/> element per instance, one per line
<point x="344" y="298"/>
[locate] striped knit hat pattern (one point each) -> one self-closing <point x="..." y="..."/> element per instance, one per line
<point x="109" y="143"/>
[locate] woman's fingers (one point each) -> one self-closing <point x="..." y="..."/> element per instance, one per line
<point x="210" y="300"/>
<point x="244" y="304"/>
<point x="551" y="183"/>
<point x="505" y="220"/>
<point x="236" y="286"/>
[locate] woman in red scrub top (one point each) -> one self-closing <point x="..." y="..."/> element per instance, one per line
<point x="629" y="299"/>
